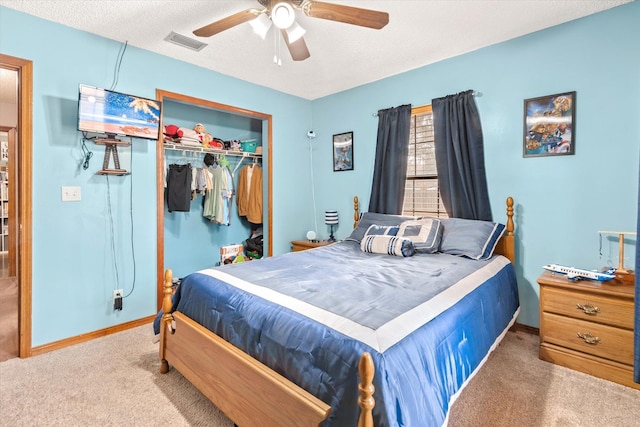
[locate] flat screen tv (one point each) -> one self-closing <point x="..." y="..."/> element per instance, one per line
<point x="112" y="113"/>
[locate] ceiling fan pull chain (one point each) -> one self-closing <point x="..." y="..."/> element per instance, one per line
<point x="275" y="47"/>
<point x="277" y="58"/>
<point x="279" y="49"/>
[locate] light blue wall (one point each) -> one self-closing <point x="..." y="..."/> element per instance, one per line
<point x="74" y="263"/>
<point x="561" y="202"/>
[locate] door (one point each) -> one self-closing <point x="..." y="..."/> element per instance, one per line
<point x="16" y="122"/>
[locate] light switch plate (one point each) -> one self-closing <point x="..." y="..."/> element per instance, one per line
<point x="71" y="194"/>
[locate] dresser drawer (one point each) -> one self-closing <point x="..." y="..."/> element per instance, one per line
<point x="594" y="308"/>
<point x="614" y="344"/>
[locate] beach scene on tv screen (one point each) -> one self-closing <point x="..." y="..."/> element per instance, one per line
<point x="107" y="112"/>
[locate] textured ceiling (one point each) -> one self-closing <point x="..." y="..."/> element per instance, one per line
<point x="343" y="56"/>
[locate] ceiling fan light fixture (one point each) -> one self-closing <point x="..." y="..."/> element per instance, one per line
<point x="294" y="32"/>
<point x="282" y="15"/>
<point x="261" y="25"/>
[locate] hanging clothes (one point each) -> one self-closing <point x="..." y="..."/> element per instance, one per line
<point x="179" y="187"/>
<point x="214" y="200"/>
<point x="249" y="193"/>
<point x="227" y="196"/>
<point x="199" y="182"/>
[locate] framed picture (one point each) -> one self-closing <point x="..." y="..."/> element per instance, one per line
<point x="550" y="125"/>
<point x="343" y="152"/>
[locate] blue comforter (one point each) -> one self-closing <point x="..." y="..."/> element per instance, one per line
<point x="428" y="321"/>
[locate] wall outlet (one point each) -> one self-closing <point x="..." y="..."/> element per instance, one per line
<point x="117" y="299"/>
<point x="71" y="194"/>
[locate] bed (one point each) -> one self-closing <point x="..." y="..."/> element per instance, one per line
<point x="294" y="340"/>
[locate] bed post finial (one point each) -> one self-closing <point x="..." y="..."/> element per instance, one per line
<point x="506" y="245"/>
<point x="168" y="291"/>
<point x="165" y="324"/>
<point x="356" y="211"/>
<point x="510" y="226"/>
<point x="366" y="389"/>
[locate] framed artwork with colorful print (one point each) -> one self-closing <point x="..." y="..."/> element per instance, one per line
<point x="550" y="125"/>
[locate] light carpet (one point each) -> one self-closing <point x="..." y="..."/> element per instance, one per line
<point x="115" y="381"/>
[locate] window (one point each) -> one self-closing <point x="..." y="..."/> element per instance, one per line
<point x="421" y="191"/>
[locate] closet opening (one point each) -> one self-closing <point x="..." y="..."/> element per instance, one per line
<point x="210" y="144"/>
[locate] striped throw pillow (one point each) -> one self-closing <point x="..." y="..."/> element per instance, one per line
<point x="389" y="245"/>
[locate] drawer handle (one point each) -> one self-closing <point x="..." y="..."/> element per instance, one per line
<point x="588" y="308"/>
<point x="588" y="338"/>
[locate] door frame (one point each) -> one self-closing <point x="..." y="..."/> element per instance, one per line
<point x="24" y="156"/>
<point x="164" y="95"/>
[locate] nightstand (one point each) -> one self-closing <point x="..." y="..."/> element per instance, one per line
<point x="303" y="245"/>
<point x="588" y="326"/>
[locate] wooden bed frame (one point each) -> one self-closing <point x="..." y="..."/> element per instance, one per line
<point x="247" y="391"/>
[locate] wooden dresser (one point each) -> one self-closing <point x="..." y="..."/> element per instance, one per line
<point x="303" y="245"/>
<point x="588" y="326"/>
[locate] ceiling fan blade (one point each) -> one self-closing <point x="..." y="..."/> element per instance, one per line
<point x="226" y="23"/>
<point x="298" y="49"/>
<point x="347" y="14"/>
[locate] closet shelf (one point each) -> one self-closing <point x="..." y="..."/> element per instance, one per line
<point x="181" y="147"/>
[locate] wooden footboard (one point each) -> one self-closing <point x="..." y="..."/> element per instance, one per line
<point x="248" y="392"/>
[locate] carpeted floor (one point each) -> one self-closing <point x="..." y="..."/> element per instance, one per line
<point x="516" y="388"/>
<point x="115" y="381"/>
<point x="110" y="381"/>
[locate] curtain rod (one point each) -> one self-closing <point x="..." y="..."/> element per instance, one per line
<point x="475" y="93"/>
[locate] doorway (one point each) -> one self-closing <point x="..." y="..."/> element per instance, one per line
<point x="9" y="296"/>
<point x="15" y="204"/>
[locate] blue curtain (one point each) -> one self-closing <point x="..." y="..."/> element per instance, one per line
<point x="459" y="153"/>
<point x="390" y="168"/>
<point x="636" y="328"/>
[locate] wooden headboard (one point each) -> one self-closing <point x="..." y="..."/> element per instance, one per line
<point x="506" y="245"/>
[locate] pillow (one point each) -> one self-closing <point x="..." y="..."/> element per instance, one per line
<point x="369" y="218"/>
<point x="381" y="230"/>
<point x="425" y="234"/>
<point x="389" y="245"/>
<point x="471" y="238"/>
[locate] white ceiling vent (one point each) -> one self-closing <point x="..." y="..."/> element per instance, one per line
<point x="185" y="41"/>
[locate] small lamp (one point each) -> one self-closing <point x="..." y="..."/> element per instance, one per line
<point x="331" y="219"/>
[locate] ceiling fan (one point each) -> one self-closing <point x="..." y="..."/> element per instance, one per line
<point x="281" y="13"/>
